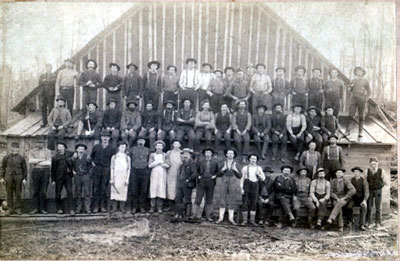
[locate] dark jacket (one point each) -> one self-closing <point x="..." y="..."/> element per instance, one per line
<point x="346" y="192"/>
<point x="284" y="187"/>
<point x="278" y="125"/>
<point x="13" y="165"/>
<point x="188" y="173"/>
<point x="61" y="166"/>
<point x="48" y="84"/>
<point x="214" y="169"/>
<point x="266" y="188"/>
<point x="81" y="166"/>
<point x="132" y="85"/>
<point x="112" y="118"/>
<point x="95" y="119"/>
<point x="102" y="156"/>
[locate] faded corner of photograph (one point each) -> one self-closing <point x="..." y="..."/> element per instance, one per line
<point x="198" y="130"/>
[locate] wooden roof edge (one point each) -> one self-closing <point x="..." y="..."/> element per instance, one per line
<point x="301" y="39"/>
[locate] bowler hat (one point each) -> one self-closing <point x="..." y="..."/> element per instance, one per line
<point x="62" y="143"/>
<point x="343" y="170"/>
<point x="280" y="68"/>
<point x="92" y="102"/>
<point x="357" y="168"/>
<point x="170" y="101"/>
<point x="299" y="170"/>
<point x="191" y="60"/>
<point x="300" y="67"/>
<point x="313" y="108"/>
<point x="359" y="68"/>
<point x="373" y="159"/>
<point x="91" y="60"/>
<point x="116" y="65"/>
<point x="287" y="166"/>
<point x="261" y="106"/>
<point x="154" y="62"/>
<point x="132" y="64"/>
<point x="80" y="145"/>
<point x="253" y="154"/>
<point x="210" y="149"/>
<point x="228" y="68"/>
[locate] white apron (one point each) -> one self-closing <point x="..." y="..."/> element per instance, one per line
<point x="120" y="191"/>
<point x="173" y="171"/>
<point x="158" y="178"/>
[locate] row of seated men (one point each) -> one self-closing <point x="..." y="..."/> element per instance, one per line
<point x="119" y="175"/>
<point x="228" y="86"/>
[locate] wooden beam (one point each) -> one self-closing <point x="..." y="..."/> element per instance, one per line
<point x="258" y="34"/>
<point x="199" y="34"/>
<point x="125" y="47"/>
<point x="150" y="33"/>
<point x="155" y="36"/>
<point x="267" y="40"/>
<point x="232" y="22"/>
<point x="98" y="60"/>
<point x="130" y="40"/>
<point x="306" y="62"/>
<point x="183" y="36"/>
<point x="300" y="53"/>
<point x="163" y="38"/>
<point x="250" y="34"/>
<point x="104" y="68"/>
<point x="141" y="41"/>
<point x="192" y="33"/>
<point x="114" y="46"/>
<point x="174" y="37"/>
<point x="278" y="29"/>
<point x="216" y="38"/>
<point x="283" y="48"/>
<point x="207" y="31"/>
<point x="225" y="37"/>
<point x="240" y="34"/>
<point x="290" y="56"/>
<point x="81" y="88"/>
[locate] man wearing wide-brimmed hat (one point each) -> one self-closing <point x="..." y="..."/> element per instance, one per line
<point x="167" y="123"/>
<point x="205" y="78"/>
<point x="241" y="126"/>
<point x="310" y="159"/>
<point x="266" y="198"/>
<point x="333" y="91"/>
<point x="313" y="131"/>
<point x="186" y="118"/>
<point x="13" y="172"/>
<point x="285" y="189"/>
<point x="90" y="123"/>
<point x="320" y="194"/>
<point x="216" y="90"/>
<point x="278" y="132"/>
<point x="40" y="160"/>
<point x="47" y="82"/>
<point x="90" y="80"/>
<point x="149" y="123"/>
<point x="261" y="128"/>
<point x="170" y="84"/>
<point x="296" y="125"/>
<point x="360" y="93"/>
<point x="131" y="122"/>
<point x="332" y="157"/>
<point x="189" y="81"/>
<point x="66" y="82"/>
<point x="302" y="196"/>
<point x="101" y="161"/>
<point x="280" y="86"/>
<point x="112" y="120"/>
<point x="238" y="90"/>
<point x="315" y="89"/>
<point x="223" y="126"/>
<point x="261" y="88"/>
<point x="59" y="120"/>
<point x="113" y="83"/>
<point x="204" y="125"/>
<point x="152" y="84"/>
<point x="298" y="86"/>
<point x="329" y="124"/>
<point x="132" y="86"/>
<point x="61" y="176"/>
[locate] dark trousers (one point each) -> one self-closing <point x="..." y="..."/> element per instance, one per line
<point x="357" y="104"/>
<point x="189" y="131"/>
<point x="304" y="201"/>
<point x="205" y="186"/>
<point x="299" y="99"/>
<point x="204" y="96"/>
<point x="54" y="136"/>
<point x="284" y="203"/>
<point x="190" y="94"/>
<point x="265" y="210"/>
<point x="14" y="187"/>
<point x="89" y="95"/>
<point x="40" y="181"/>
<point x="375" y="196"/>
<point x="242" y="143"/>
<point x="68" y="94"/>
<point x="151" y="95"/>
<point x="218" y="139"/>
<point x="183" y="195"/>
<point x="330" y="167"/>
<point x="355" y="202"/>
<point x="200" y="132"/>
<point x="335" y="103"/>
<point x="138" y="187"/>
<point x="82" y="191"/>
<point x="275" y="141"/>
<point x="67" y="183"/>
<point x="261" y="143"/>
<point x="250" y="197"/>
<point x="168" y="95"/>
<point x="322" y="209"/>
<point x="46" y="106"/>
<point x="297" y="142"/>
<point x="101" y="180"/>
<point x="315" y="99"/>
<point x="216" y="101"/>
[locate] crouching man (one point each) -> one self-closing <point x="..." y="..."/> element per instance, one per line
<point x="341" y="193"/>
<point x="302" y="196"/>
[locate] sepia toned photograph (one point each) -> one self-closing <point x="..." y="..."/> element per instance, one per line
<point x="225" y="130"/>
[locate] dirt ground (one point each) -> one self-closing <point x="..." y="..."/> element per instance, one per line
<point x="154" y="237"/>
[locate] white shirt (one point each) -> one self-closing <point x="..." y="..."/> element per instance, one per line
<point x="252" y="173"/>
<point x="205" y="79"/>
<point x="189" y="79"/>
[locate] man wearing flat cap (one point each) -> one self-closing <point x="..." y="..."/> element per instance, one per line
<point x="90" y="123"/>
<point x="285" y="189"/>
<point x="261" y="88"/>
<point x="280" y="86"/>
<point x="342" y="190"/>
<point x="90" y="80"/>
<point x="13" y="172"/>
<point x="152" y="84"/>
<point x="302" y="195"/>
<point x="113" y="83"/>
<point x="131" y="122"/>
<point x="298" y="86"/>
<point x="132" y="87"/>
<point x="66" y="83"/>
<point x="170" y="84"/>
<point x="360" y="93"/>
<point x="315" y="89"/>
<point x="40" y="161"/>
<point x="61" y="176"/>
<point x="47" y="82"/>
<point x="167" y="121"/>
<point x="59" y="120"/>
<point x="332" y="157"/>
<point x="359" y="199"/>
<point x="189" y="81"/>
<point x="333" y="91"/>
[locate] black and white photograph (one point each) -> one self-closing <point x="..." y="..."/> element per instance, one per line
<point x="206" y="130"/>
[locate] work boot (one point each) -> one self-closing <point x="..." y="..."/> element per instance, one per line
<point x="231" y="213"/>
<point x="133" y="211"/>
<point x="244" y="222"/>
<point x="221" y="215"/>
<point x="33" y="212"/>
<point x="60" y="211"/>
<point x="208" y="213"/>
<point x="122" y="206"/>
<point x="263" y="156"/>
<point x="310" y="221"/>
<point x="253" y="218"/>
<point x="71" y="212"/>
<point x="114" y="206"/>
<point x="189" y="212"/>
<point x="319" y="223"/>
<point x="43" y="211"/>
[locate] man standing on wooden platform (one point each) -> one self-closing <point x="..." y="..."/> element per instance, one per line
<point x="90" y="123"/>
<point x="170" y="84"/>
<point x="298" y="87"/>
<point x="61" y="176"/>
<point x="59" y="120"/>
<point x="333" y="91"/>
<point x="152" y="84"/>
<point x="360" y="93"/>
<point x="280" y="86"/>
<point x="47" y="82"/>
<point x="40" y="160"/>
<point x="90" y="80"/>
<point x="66" y="83"/>
<point x="205" y="78"/>
<point x="315" y="89"/>
<point x="188" y="82"/>
<point x="132" y="87"/>
<point x="14" y="172"/>
<point x="131" y="122"/>
<point x="261" y="88"/>
<point x="113" y="83"/>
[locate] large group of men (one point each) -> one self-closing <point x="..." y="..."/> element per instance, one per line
<point x="176" y="113"/>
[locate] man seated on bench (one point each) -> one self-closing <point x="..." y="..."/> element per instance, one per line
<point x="149" y="124"/>
<point x="302" y="197"/>
<point x="112" y="120"/>
<point x="266" y="198"/>
<point x="342" y="191"/>
<point x="285" y="187"/>
<point x="90" y="124"/>
<point x="59" y="120"/>
<point x="359" y="199"/>
<point x="320" y="193"/>
<point x="186" y="118"/>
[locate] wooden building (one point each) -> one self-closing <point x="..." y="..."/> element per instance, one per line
<point x="222" y="34"/>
